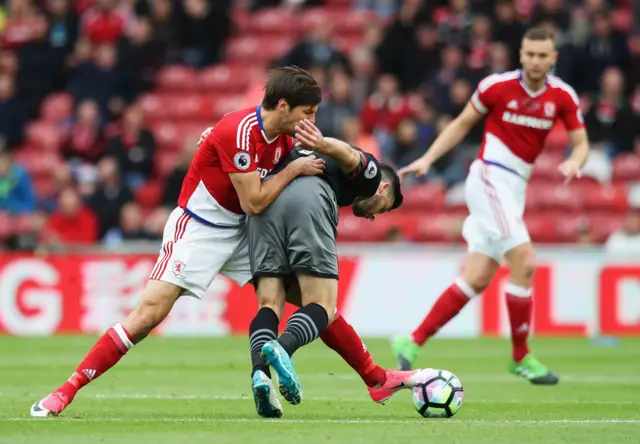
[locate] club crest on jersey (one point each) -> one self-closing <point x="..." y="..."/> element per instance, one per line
<point x="242" y="160"/>
<point x="178" y="268"/>
<point x="371" y="170"/>
<point x="277" y="156"/>
<point x="549" y="109"/>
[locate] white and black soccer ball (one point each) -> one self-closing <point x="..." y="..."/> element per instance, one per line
<point x="439" y="394"/>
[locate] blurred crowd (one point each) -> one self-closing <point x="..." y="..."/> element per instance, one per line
<point x="389" y="88"/>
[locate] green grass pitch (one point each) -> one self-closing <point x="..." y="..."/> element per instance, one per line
<point x="193" y="391"/>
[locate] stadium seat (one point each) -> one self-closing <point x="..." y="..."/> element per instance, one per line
<point x="24" y="223"/>
<point x="176" y="78"/>
<point x="6" y="226"/>
<point x="165" y="163"/>
<point x="559" y="197"/>
<point x="271" y="21"/>
<point x="258" y="50"/>
<point x="148" y="195"/>
<point x="558" y="139"/>
<point x="154" y="107"/>
<point x="227" y="78"/>
<point x="56" y="108"/>
<point x="220" y="104"/>
<point x="542" y="227"/>
<point x="626" y="167"/>
<point x="185" y="107"/>
<point x="38" y="163"/>
<point x="605" y="197"/>
<point x="438" y="228"/>
<point x="603" y="224"/>
<point x="43" y="136"/>
<point x="569" y="227"/>
<point x="426" y="197"/>
<point x="546" y="166"/>
<point x="357" y="229"/>
<point x="166" y="136"/>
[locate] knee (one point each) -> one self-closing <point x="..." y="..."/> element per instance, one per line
<point x="327" y="303"/>
<point x="523" y="266"/>
<point x="478" y="280"/>
<point x="276" y="306"/>
<point x="150" y="312"/>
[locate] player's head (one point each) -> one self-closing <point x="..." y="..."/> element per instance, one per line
<point x="387" y="198"/>
<point x="538" y="53"/>
<point x="293" y="94"/>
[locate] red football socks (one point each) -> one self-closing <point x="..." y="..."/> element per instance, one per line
<point x="106" y="353"/>
<point x="446" y="307"/>
<point x="343" y="339"/>
<point x="519" y="305"/>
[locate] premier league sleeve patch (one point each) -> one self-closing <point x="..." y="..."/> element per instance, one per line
<point x="242" y="160"/>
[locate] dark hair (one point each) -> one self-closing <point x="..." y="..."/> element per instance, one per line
<point x="539" y="33"/>
<point x="390" y="175"/>
<point x="293" y="84"/>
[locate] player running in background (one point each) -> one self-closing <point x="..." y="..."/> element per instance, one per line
<point x="519" y="108"/>
<point x="293" y="244"/>
<point x="206" y="234"/>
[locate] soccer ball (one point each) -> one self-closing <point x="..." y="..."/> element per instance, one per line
<point x="438" y="395"/>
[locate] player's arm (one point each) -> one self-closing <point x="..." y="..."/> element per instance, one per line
<point x="255" y="196"/>
<point x="308" y="135"/>
<point x="573" y="121"/>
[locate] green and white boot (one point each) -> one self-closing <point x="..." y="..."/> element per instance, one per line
<point x="532" y="370"/>
<point x="406" y="351"/>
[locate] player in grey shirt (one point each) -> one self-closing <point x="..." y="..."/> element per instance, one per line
<point x="292" y="244"/>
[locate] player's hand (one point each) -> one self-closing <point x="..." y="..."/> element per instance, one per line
<point x="309" y="136"/>
<point x="204" y="135"/>
<point x="308" y="166"/>
<point x="570" y="169"/>
<point x="417" y="168"/>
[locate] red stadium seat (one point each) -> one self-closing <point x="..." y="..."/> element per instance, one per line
<point x="6" y="226"/>
<point x="166" y="136"/>
<point x="605" y="198"/>
<point x="56" y="108"/>
<point x="43" y="136"/>
<point x="626" y="167"/>
<point x="185" y="107"/>
<point x="357" y="229"/>
<point x="559" y="197"/>
<point x="342" y="21"/>
<point x="569" y="227"/>
<point x="603" y="224"/>
<point x="25" y="223"/>
<point x="229" y="78"/>
<point x="154" y="107"/>
<point x="165" y="163"/>
<point x="221" y="104"/>
<point x="148" y="195"/>
<point x="258" y="50"/>
<point x="425" y="197"/>
<point x="271" y="21"/>
<point x="176" y="78"/>
<point x="558" y="139"/>
<point x="438" y="228"/>
<point x="546" y="166"/>
<point x="542" y="227"/>
<point x="38" y="163"/>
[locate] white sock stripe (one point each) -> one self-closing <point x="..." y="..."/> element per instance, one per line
<point x="299" y="332"/>
<point x="261" y="338"/>
<point x="308" y="333"/>
<point x="263" y="332"/>
<point x="305" y="318"/>
<point x="465" y="288"/>
<point x="123" y="336"/>
<point x="515" y="290"/>
<point x="257" y="344"/>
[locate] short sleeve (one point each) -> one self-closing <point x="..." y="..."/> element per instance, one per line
<point x="366" y="178"/>
<point x="485" y="95"/>
<point x="571" y="115"/>
<point x="235" y="147"/>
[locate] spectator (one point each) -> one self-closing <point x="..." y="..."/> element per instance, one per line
<point x="20" y="23"/>
<point x="63" y="33"/>
<point x="130" y="228"/>
<point x="85" y="141"/>
<point x="336" y="108"/>
<point x="352" y="134"/>
<point x="386" y="107"/>
<point x="407" y="147"/>
<point x="609" y="120"/>
<point x="100" y="79"/>
<point x="508" y="29"/>
<point x="627" y="239"/>
<point x="110" y="196"/>
<point x="317" y="50"/>
<point x="453" y="21"/>
<point x="16" y="190"/>
<point x="106" y="21"/>
<point x="605" y="48"/>
<point x="72" y="224"/>
<point x="203" y="28"/>
<point x="551" y="10"/>
<point x="419" y="54"/>
<point x="154" y="225"/>
<point x="12" y="113"/>
<point x="164" y="30"/>
<point x="633" y="71"/>
<point x="451" y="68"/>
<point x="173" y="184"/>
<point x="134" y="148"/>
<point x="479" y="47"/>
<point x="499" y="59"/>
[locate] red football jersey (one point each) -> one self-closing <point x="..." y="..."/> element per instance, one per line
<point x="237" y="144"/>
<point x="518" y="120"/>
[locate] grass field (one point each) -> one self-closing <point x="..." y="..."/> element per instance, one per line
<point x="196" y="391"/>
